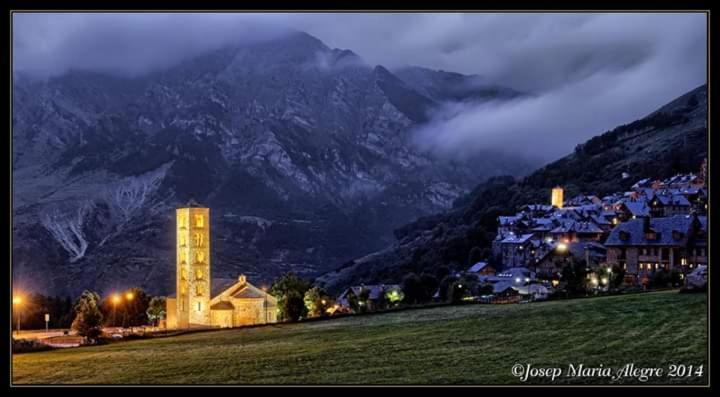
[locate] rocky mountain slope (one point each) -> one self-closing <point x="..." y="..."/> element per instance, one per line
<point x="301" y="151"/>
<point x="670" y="140"/>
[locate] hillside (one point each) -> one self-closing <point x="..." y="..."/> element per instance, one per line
<point x="671" y="140"/>
<point x="473" y="344"/>
<point x="302" y="152"/>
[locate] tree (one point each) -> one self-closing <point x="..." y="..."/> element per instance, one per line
<point x="618" y="276"/>
<point x="445" y="286"/>
<point x="353" y="301"/>
<point x="458" y="291"/>
<point x="317" y="301"/>
<point x="290" y="290"/>
<point x="659" y="279"/>
<point x="156" y="310"/>
<point x="394" y="296"/>
<point x="442" y="272"/>
<point x="413" y="289"/>
<point x="135" y="308"/>
<point x="486" y="289"/>
<point x="363" y="297"/>
<point x="429" y="284"/>
<point x="574" y="274"/>
<point x="88" y="318"/>
<point x="294" y="306"/>
<point x="676" y="277"/>
<point x="475" y="255"/>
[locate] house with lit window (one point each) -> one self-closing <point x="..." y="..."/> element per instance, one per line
<point x="374" y="296"/>
<point x="514" y="250"/>
<point x="642" y="246"/>
<point x="632" y="208"/>
<point x="573" y="231"/>
<point x="197" y="303"/>
<point x="668" y="204"/>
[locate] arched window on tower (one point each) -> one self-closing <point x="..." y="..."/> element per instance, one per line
<point x="182" y="240"/>
<point x="183" y="273"/>
<point x="199" y="274"/>
<point x="182" y="221"/>
<point x="200" y="257"/>
<point x="199" y="289"/>
<point x="199" y="221"/>
<point x="199" y="239"/>
<point x="183" y="256"/>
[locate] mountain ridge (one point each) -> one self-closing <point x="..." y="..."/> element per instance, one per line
<point x="295" y="139"/>
<point x="670" y="140"/>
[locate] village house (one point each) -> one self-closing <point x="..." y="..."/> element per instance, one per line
<point x="374" y="297"/>
<point x="591" y="252"/>
<point x="632" y="208"/>
<point x="481" y="269"/>
<point x="514" y="250"/>
<point x="581" y="225"/>
<point x="669" y="204"/>
<point x="574" y="231"/>
<point x="642" y="246"/>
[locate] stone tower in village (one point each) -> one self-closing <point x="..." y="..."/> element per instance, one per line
<point x="193" y="265"/>
<point x="557" y="197"/>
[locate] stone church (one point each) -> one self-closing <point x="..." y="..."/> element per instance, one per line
<point x="196" y="302"/>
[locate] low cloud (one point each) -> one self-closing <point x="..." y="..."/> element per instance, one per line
<point x="586" y="72"/>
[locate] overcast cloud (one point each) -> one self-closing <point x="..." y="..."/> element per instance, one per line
<point x="588" y="72"/>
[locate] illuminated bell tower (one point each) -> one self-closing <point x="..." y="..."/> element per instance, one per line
<point x="557" y="197"/>
<point x="193" y="265"/>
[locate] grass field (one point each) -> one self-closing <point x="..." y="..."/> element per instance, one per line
<point x="472" y="344"/>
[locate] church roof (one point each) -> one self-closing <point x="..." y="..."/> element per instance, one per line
<point x="219" y="285"/>
<point x="222" y="305"/>
<point x="247" y="292"/>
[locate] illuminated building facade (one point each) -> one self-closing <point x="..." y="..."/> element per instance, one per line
<point x="557" y="197"/>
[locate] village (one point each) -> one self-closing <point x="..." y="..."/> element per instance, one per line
<point x="652" y="236"/>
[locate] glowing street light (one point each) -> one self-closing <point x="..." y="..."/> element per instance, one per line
<point x="562" y="247"/>
<point x="115" y="301"/>
<point x="129" y="296"/>
<point x="17" y="301"/>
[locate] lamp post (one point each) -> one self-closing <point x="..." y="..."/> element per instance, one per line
<point x="17" y="301"/>
<point x="115" y="301"/>
<point x="265" y="304"/>
<point x="527" y="281"/>
<point x="129" y="297"/>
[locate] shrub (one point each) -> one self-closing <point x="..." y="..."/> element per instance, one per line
<point x="28" y="346"/>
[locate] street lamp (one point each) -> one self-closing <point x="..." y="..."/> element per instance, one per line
<point x="264" y="288"/>
<point x="17" y="301"/>
<point x="129" y="297"/>
<point x="115" y="301"/>
<point x="527" y="281"/>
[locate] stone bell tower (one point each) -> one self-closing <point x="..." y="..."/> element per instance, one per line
<point x="193" y="265"/>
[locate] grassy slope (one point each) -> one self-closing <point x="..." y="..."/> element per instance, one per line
<point x="461" y="344"/>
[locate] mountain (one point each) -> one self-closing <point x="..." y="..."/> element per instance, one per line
<point x="670" y="140"/>
<point x="302" y="152"/>
<point x="441" y="86"/>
